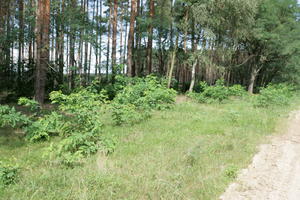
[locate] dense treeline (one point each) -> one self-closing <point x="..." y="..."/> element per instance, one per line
<point x="63" y="44"/>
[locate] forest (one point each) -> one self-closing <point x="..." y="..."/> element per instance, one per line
<point x="140" y="99"/>
<point x="64" y="44"/>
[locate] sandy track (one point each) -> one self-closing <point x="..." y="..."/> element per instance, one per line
<point x="274" y="173"/>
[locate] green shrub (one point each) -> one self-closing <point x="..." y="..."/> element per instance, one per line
<point x="237" y="90"/>
<point x="160" y="98"/>
<point x="44" y="127"/>
<point x="273" y="95"/>
<point x="199" y="97"/>
<point x="82" y="126"/>
<point x="10" y="117"/>
<point x="216" y="93"/>
<point x="138" y="98"/>
<point x="128" y="113"/>
<point x="78" y="101"/>
<point x="32" y="104"/>
<point x="77" y="121"/>
<point x="8" y="174"/>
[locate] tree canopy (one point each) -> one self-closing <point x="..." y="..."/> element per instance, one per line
<point x="243" y="42"/>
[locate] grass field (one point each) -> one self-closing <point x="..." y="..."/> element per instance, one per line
<point x="190" y="152"/>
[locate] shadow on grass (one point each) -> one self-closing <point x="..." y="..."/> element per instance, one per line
<point x="11" y="138"/>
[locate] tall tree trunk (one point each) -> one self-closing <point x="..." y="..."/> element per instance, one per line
<point x="97" y="37"/>
<point x="7" y="41"/>
<point x="90" y="51"/>
<point x="42" y="40"/>
<point x="137" y="53"/>
<point x="253" y="76"/>
<point x="31" y="28"/>
<point x="114" y="40"/>
<point x="4" y="69"/>
<point x="173" y="57"/>
<point x="79" y="56"/>
<point x="121" y="33"/>
<point x="185" y="36"/>
<point x="150" y="37"/>
<point x="61" y="45"/>
<point x="89" y="65"/>
<point x="193" y="76"/>
<point x="108" y="40"/>
<point x="86" y="45"/>
<point x="130" y="72"/>
<point x="3" y="7"/>
<point x="72" y="52"/>
<point x="21" y="40"/>
<point x="51" y="47"/>
<point x="125" y="43"/>
<point x="100" y="42"/>
<point x="194" y="48"/>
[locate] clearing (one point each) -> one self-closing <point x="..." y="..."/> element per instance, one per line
<point x="192" y="151"/>
<point x="275" y="171"/>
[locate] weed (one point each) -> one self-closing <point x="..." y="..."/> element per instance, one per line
<point x="8" y="174"/>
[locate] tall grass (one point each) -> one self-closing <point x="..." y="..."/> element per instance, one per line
<point x="190" y="152"/>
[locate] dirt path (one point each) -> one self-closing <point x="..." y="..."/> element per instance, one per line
<point x="275" y="171"/>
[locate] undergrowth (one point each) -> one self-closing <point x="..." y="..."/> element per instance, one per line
<point x="183" y="151"/>
<point x="192" y="151"/>
<point x="135" y="102"/>
<point x="217" y="93"/>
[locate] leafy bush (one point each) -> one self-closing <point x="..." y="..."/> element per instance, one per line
<point x="32" y="104"/>
<point x="217" y="93"/>
<point x="138" y="98"/>
<point x="77" y="121"/>
<point x="10" y="117"/>
<point x="82" y="126"/>
<point x="78" y="101"/>
<point x="198" y="97"/>
<point x="237" y="90"/>
<point x="44" y="127"/>
<point x="128" y="113"/>
<point x="8" y="174"/>
<point x="273" y="95"/>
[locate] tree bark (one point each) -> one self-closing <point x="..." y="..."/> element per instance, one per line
<point x="130" y="72"/>
<point x="125" y="43"/>
<point x="121" y="33"/>
<point x="61" y="45"/>
<point x="253" y="76"/>
<point x="72" y="53"/>
<point x="137" y="40"/>
<point x="193" y="76"/>
<point x="86" y="46"/>
<point x="21" y="40"/>
<point x="100" y="48"/>
<point x="42" y="40"/>
<point x="108" y="41"/>
<point x="97" y="37"/>
<point x="114" y="40"/>
<point x="172" y="62"/>
<point x="150" y="37"/>
<point x="2" y="31"/>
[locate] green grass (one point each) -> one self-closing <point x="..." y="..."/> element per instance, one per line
<point x="190" y="152"/>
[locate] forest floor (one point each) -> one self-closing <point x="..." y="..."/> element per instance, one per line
<point x="274" y="173"/>
<point x="192" y="151"/>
